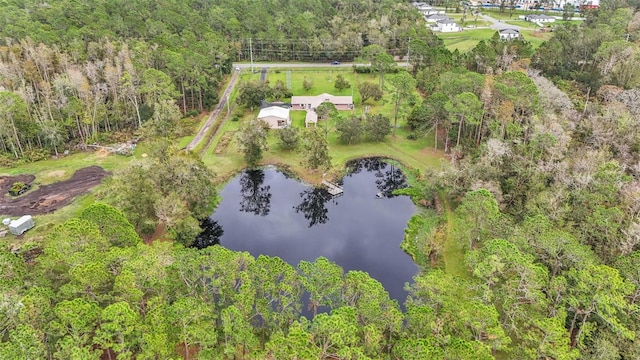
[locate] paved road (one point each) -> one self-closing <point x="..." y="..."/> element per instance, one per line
<point x="214" y="115"/>
<point x="301" y="65"/>
<point x="499" y="25"/>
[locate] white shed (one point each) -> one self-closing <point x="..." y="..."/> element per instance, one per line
<point x="18" y="227"/>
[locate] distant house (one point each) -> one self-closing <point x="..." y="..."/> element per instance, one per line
<point x="508" y="34"/>
<point x="435" y="18"/>
<point x="446" y="26"/>
<point x="427" y="10"/>
<point x="310" y="103"/>
<point x="277" y="117"/>
<point x="539" y="18"/>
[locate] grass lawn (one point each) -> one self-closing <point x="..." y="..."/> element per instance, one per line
<point x="323" y="81"/>
<point x="523" y="24"/>
<point x="507" y="15"/>
<point x="465" y="40"/>
<point x="54" y="170"/>
<point x="297" y="118"/>
<point x="452" y="253"/>
<point x="536" y="38"/>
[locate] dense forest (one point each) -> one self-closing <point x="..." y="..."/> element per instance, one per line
<point x="544" y="176"/>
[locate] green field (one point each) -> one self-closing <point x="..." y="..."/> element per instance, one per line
<point x="535" y="37"/>
<point x="522" y="24"/>
<point x="465" y="40"/>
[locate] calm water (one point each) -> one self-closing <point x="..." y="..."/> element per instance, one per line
<point x="265" y="212"/>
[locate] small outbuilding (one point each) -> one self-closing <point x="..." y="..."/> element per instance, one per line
<point x="275" y="116"/>
<point x="18" y="227"/>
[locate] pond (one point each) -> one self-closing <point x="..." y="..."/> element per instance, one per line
<point x="267" y="212"/>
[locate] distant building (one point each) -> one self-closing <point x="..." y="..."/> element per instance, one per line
<point x="508" y="34"/>
<point x="277" y="117"/>
<point x="446" y="26"/>
<point x="435" y="18"/>
<point x="539" y="19"/>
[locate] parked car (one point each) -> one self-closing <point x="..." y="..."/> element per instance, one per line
<point x="335" y="62"/>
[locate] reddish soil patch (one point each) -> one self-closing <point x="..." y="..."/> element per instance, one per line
<point x="158" y="234"/>
<point x="47" y="198"/>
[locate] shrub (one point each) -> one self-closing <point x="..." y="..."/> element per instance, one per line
<point x="19" y="188"/>
<point x="289" y="138"/>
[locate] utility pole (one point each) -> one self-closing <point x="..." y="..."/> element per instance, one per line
<point x="408" y="52"/>
<point x="251" y="54"/>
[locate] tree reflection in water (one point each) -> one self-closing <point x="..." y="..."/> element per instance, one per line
<point x="390" y="177"/>
<point x="313" y="205"/>
<point x="256" y="198"/>
<point x="210" y="235"/>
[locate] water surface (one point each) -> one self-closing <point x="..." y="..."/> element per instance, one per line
<point x="266" y="212"/>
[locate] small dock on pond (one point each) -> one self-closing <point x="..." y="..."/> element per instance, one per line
<point x="333" y="189"/>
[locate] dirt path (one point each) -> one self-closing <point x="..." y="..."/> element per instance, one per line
<point x="452" y="254"/>
<point x="47" y="198"/>
<point x="214" y="115"/>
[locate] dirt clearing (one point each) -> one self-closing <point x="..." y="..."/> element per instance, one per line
<point x="47" y="198"/>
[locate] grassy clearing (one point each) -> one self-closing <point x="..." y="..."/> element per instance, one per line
<point x="465" y="40"/>
<point x="323" y="81"/>
<point x="536" y="38"/>
<point x="523" y="24"/>
<point x="508" y="15"/>
<point x="417" y="154"/>
<point x="50" y="171"/>
<point x="452" y="253"/>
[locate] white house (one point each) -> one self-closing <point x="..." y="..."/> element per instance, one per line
<point x="447" y="26"/>
<point x="508" y="34"/>
<point x="277" y="117"/>
<point x="539" y="18"/>
<point x="435" y="18"/>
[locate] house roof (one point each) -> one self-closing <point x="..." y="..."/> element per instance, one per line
<point x="437" y="17"/>
<point x="509" y="31"/>
<point x="311" y="117"/>
<point x="445" y="22"/>
<point x="276" y="111"/>
<point x="319" y="99"/>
